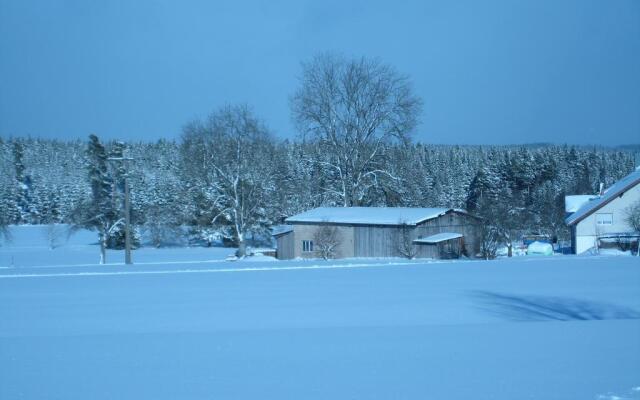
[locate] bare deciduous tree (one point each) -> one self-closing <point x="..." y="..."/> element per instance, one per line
<point x="501" y="222"/>
<point x="228" y="154"/>
<point x="633" y="219"/>
<point x="327" y="239"/>
<point x="633" y="216"/>
<point x="352" y="108"/>
<point x="405" y="245"/>
<point x="489" y="240"/>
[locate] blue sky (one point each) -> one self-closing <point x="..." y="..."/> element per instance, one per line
<point x="563" y="71"/>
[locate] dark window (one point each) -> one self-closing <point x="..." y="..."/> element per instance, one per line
<point x="307" y="246"/>
<point x="604" y="219"/>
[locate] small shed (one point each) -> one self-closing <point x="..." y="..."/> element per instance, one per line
<point x="448" y="244"/>
<point x="284" y="244"/>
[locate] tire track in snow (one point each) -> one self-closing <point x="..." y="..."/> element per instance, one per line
<point x="204" y="271"/>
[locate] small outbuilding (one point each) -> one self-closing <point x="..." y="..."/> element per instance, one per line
<point x="344" y="232"/>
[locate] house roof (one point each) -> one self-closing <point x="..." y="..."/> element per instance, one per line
<point x="609" y="195"/>
<point x="438" y="237"/>
<point x="369" y="215"/>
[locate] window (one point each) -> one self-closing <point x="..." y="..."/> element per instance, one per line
<point x="604" y="219"/>
<point x="307" y="246"/>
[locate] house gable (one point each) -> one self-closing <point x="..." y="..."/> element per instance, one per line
<point x="616" y="191"/>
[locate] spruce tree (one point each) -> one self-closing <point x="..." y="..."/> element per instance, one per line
<point x="98" y="213"/>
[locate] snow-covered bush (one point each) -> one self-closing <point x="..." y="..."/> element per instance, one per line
<point x="327" y="239"/>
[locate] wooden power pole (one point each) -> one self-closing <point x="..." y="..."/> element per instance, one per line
<point x="127" y="221"/>
<point x="127" y="208"/>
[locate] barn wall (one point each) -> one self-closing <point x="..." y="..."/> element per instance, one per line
<point x="427" y="251"/>
<point x="308" y="232"/>
<point x="435" y="250"/>
<point x="285" y="244"/>
<point x="456" y="223"/>
<point x="383" y="241"/>
<point x="377" y="241"/>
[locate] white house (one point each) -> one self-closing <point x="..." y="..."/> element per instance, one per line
<point x="603" y="216"/>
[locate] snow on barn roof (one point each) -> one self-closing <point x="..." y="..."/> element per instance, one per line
<point x="369" y="215"/>
<point x="438" y="237"/>
<point x="614" y="191"/>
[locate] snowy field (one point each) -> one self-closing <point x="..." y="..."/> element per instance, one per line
<point x="185" y="324"/>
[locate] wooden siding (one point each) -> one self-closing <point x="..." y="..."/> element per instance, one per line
<point x="285" y="250"/>
<point x="427" y="251"/>
<point x="307" y="231"/>
<point x="376" y="241"/>
<point x="439" y="250"/>
<point x="382" y="241"/>
<point x="457" y="223"/>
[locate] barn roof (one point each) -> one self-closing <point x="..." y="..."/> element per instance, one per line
<point x="438" y="237"/>
<point x="369" y="215"/>
<point x="609" y="195"/>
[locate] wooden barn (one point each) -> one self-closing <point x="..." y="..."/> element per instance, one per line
<point x="345" y="232"/>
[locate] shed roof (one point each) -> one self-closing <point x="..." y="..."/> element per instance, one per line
<point x="438" y="237"/>
<point x="369" y="215"/>
<point x="609" y="195"/>
<point x="281" y="230"/>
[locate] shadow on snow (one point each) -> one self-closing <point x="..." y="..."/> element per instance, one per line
<point x="542" y="308"/>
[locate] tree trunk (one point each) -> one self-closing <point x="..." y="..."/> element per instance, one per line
<point x="242" y="248"/>
<point x="510" y="249"/>
<point x="103" y="248"/>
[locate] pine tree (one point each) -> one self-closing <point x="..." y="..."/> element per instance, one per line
<point x="24" y="186"/>
<point x="98" y="213"/>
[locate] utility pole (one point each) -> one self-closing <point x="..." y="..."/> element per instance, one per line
<point x="127" y="208"/>
<point x="127" y="221"/>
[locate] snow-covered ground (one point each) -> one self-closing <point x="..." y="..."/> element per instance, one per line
<point x="188" y="325"/>
<point x="31" y="246"/>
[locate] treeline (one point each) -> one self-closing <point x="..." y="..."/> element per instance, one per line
<point x="228" y="178"/>
<point x="176" y="184"/>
